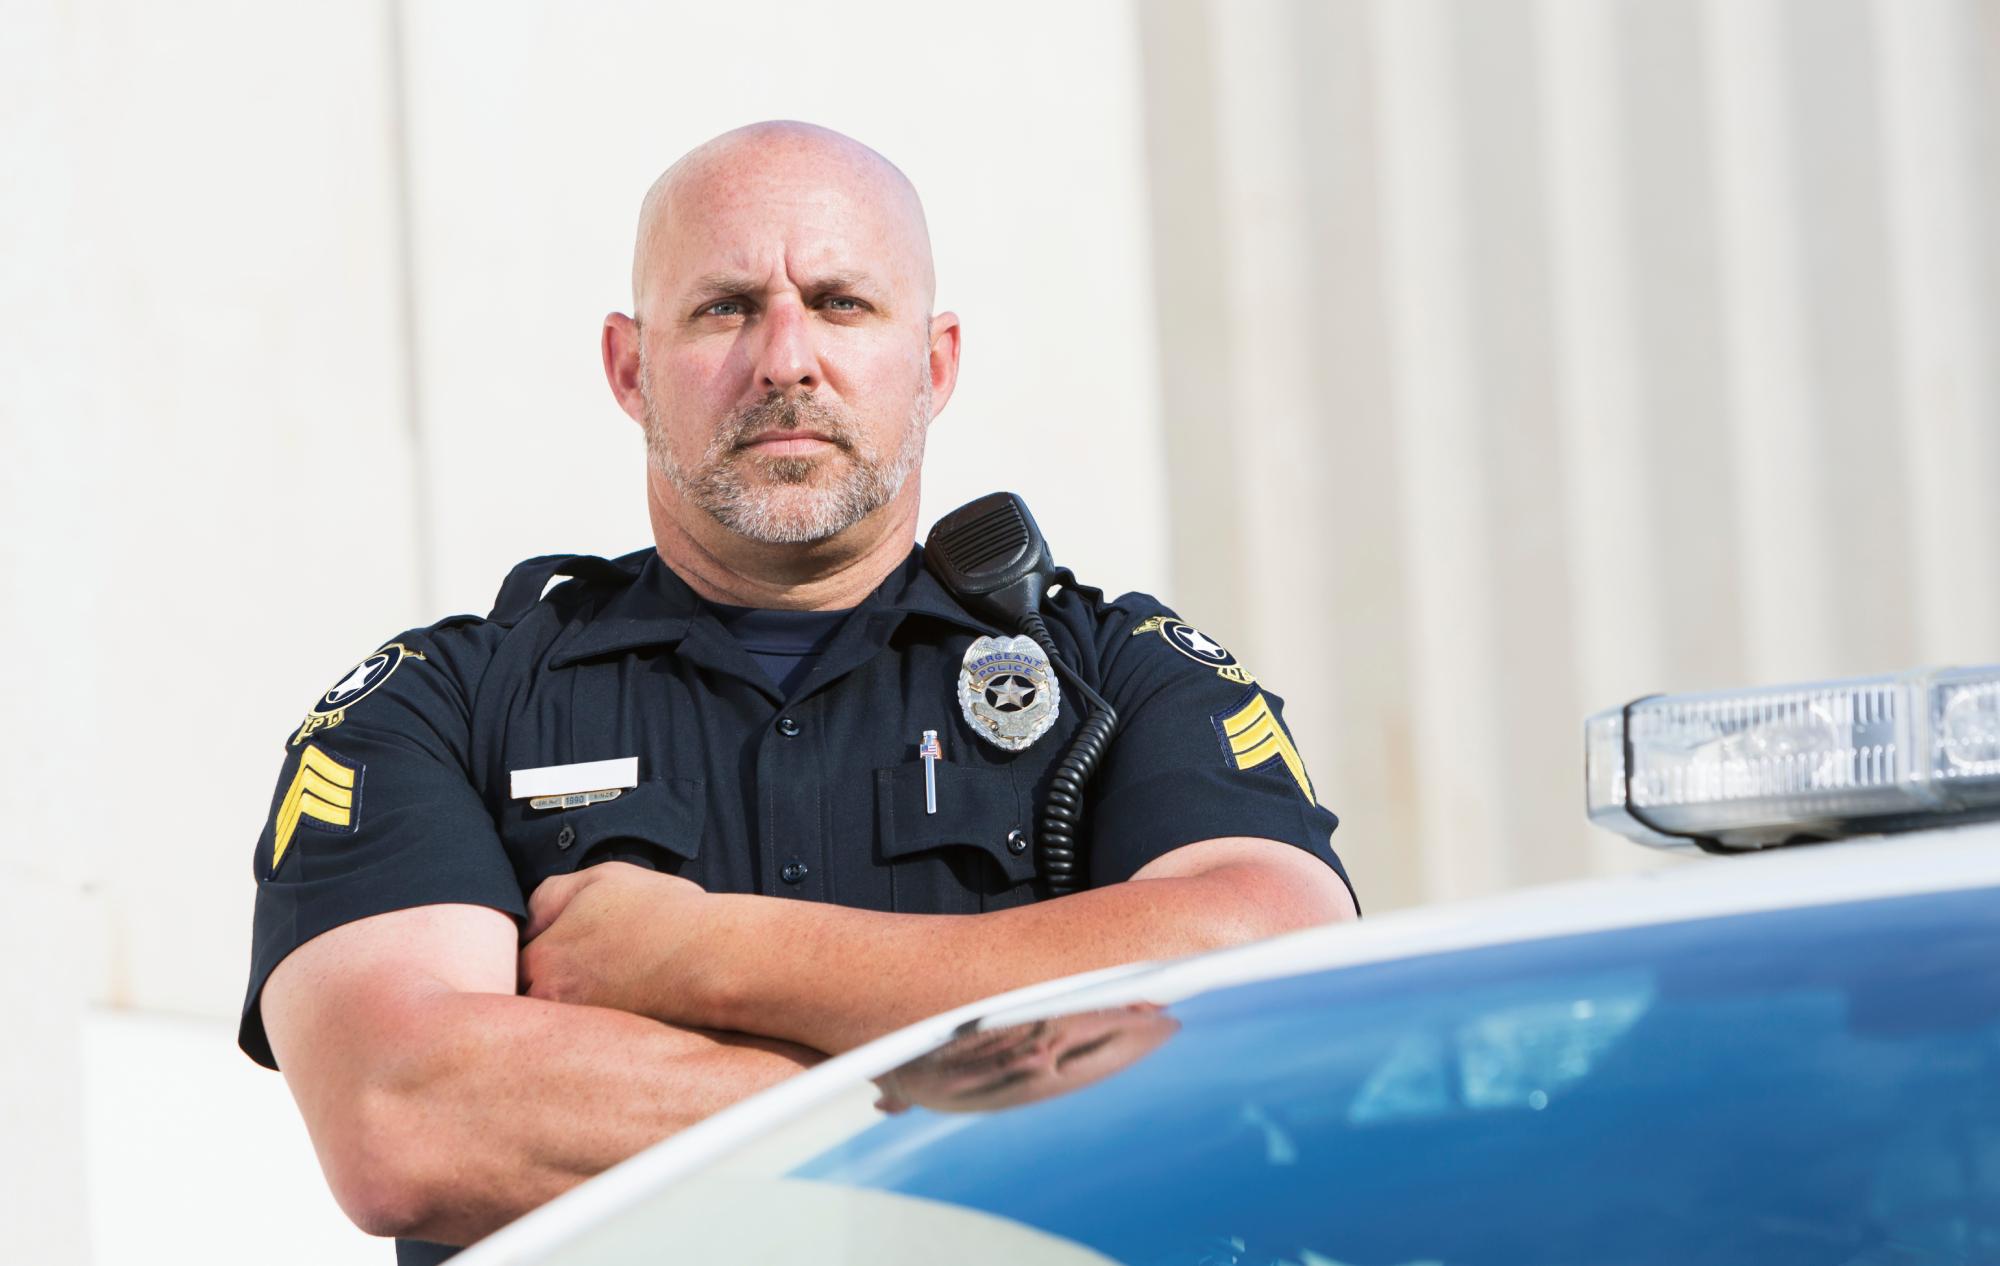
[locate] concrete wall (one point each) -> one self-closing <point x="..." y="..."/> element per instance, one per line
<point x="300" y="349"/>
<point x="1526" y="356"/>
<point x="200" y="360"/>
<point x="1465" y="367"/>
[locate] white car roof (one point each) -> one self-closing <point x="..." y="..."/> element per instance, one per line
<point x="1828" y="874"/>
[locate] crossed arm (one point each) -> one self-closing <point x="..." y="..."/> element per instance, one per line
<point x="443" y="1104"/>
<point x="831" y="978"/>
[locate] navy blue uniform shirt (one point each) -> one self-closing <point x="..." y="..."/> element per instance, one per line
<point x="395" y="789"/>
<point x="785" y="644"/>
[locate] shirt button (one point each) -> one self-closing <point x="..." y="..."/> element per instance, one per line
<point x="1017" y="843"/>
<point x="788" y="727"/>
<point x="793" y="872"/>
<point x="566" y="836"/>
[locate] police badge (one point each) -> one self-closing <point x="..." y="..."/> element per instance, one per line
<point x="1007" y="691"/>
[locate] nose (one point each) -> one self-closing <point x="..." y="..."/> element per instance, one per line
<point x="788" y="361"/>
<point x="1042" y="1052"/>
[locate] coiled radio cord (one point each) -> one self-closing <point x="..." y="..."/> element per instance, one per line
<point x="1060" y="822"/>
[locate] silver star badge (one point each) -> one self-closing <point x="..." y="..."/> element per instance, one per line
<point x="1007" y="691"/>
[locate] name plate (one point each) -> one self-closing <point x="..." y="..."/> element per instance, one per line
<point x="570" y="780"/>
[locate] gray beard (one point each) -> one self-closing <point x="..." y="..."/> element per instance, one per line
<point x="797" y="500"/>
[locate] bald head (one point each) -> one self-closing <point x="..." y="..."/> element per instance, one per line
<point x="785" y="363"/>
<point x="814" y="174"/>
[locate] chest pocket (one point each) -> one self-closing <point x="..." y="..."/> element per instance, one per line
<point x="974" y="854"/>
<point x="656" y="824"/>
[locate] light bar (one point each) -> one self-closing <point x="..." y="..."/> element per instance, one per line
<point x="1744" y="769"/>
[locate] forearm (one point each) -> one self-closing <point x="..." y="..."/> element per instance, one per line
<point x="847" y="976"/>
<point x="496" y="1104"/>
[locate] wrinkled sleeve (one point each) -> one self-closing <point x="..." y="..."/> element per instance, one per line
<point x="1202" y="750"/>
<point x="374" y="810"/>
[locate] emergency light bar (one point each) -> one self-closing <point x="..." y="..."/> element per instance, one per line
<point x="1746" y="769"/>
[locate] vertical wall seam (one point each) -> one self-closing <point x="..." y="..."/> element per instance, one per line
<point x="1780" y="477"/>
<point x="1944" y="371"/>
<point x="1436" y="417"/>
<point x="403" y="261"/>
<point x="1179" y="83"/>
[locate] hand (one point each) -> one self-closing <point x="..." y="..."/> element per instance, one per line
<point x="617" y="935"/>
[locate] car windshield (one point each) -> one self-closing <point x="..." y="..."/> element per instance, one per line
<point x="1816" y="1086"/>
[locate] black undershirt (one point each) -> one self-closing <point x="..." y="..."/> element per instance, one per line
<point x="785" y="644"/>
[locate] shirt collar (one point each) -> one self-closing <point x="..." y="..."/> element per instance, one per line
<point x="911" y="589"/>
<point x="658" y="608"/>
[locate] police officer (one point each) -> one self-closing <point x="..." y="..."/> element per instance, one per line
<point x="539" y="889"/>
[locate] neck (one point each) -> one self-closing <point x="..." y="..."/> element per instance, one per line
<point x="829" y="575"/>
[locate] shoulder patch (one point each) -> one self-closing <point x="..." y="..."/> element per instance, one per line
<point x="361" y="681"/>
<point x="324" y="792"/>
<point x="1252" y="736"/>
<point x="1197" y="646"/>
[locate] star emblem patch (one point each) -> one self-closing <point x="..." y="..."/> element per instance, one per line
<point x="1197" y="646"/>
<point x="1196" y="643"/>
<point x="361" y="681"/>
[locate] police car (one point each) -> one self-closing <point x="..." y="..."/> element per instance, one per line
<point x="1789" y="1056"/>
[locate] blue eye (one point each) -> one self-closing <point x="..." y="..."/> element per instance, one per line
<point x="725" y="307"/>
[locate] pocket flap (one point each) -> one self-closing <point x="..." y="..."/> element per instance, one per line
<point x="665" y="813"/>
<point x="977" y="807"/>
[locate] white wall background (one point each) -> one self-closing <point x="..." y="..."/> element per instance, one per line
<point x="1526" y="356"/>
<point x="299" y="348"/>
<point x="1466" y="366"/>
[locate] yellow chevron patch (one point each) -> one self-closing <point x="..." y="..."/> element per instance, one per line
<point x="322" y="790"/>
<point x="1253" y="736"/>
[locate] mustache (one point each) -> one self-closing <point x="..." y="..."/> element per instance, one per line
<point x="989" y="1050"/>
<point x="778" y="412"/>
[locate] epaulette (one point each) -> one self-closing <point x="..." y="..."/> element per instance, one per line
<point x="1089" y="593"/>
<point x="525" y="584"/>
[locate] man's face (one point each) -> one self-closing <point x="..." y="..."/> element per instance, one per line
<point x="785" y="345"/>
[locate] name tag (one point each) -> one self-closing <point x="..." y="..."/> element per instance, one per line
<point x="571" y="780"/>
<point x="574" y="800"/>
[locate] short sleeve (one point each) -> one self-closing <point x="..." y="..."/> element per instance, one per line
<point x="374" y="810"/>
<point x="1202" y="749"/>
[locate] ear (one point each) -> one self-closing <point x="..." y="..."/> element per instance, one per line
<point x="621" y="364"/>
<point x="944" y="359"/>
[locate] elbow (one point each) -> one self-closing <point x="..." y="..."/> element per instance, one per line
<point x="1303" y="906"/>
<point x="376" y="1171"/>
<point x="1249" y="889"/>
<point x="1337" y="905"/>
<point x="1282" y="900"/>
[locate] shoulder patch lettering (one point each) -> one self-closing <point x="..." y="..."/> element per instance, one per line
<point x="361" y="681"/>
<point x="1197" y="646"/>
<point x="1252" y="736"/>
<point x="324" y="791"/>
